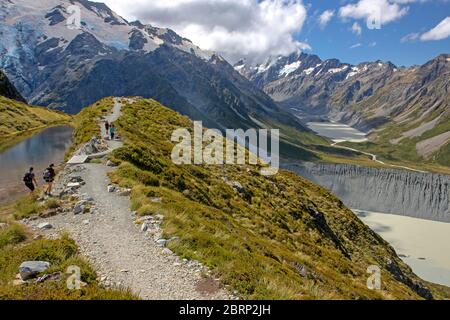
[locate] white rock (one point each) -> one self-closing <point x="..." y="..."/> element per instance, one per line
<point x="161" y="242"/>
<point x="30" y="269"/>
<point x="44" y="225"/>
<point x="109" y="163"/>
<point x="167" y="251"/>
<point x="144" y="227"/>
<point x="74" y="185"/>
<point x="111" y="189"/>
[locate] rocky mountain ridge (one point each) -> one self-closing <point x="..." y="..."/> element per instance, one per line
<point x="403" y="108"/>
<point x="8" y="90"/>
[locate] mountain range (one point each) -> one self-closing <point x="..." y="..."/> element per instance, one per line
<point x="399" y="106"/>
<point x="66" y="68"/>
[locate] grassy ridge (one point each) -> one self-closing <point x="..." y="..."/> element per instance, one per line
<point x="17" y="119"/>
<point x="279" y="237"/>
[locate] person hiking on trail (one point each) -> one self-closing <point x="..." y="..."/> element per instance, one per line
<point x="30" y="180"/>
<point x="49" y="177"/>
<point x="107" y="127"/>
<point x="112" y="131"/>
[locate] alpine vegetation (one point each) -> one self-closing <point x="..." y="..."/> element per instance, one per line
<point x="212" y="148"/>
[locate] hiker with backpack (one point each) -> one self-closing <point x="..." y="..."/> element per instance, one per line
<point x="107" y="125"/>
<point x="49" y="177"/>
<point x="112" y="130"/>
<point x="30" y="180"/>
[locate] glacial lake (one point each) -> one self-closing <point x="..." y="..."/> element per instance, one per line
<point x="38" y="151"/>
<point x="337" y="132"/>
<point x="422" y="244"/>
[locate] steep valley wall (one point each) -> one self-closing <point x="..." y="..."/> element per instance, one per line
<point x="420" y="195"/>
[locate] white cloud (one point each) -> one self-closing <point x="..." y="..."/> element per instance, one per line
<point x="356" y="28"/>
<point x="382" y="11"/>
<point x="372" y="44"/>
<point x="356" y="45"/>
<point x="325" y="17"/>
<point x="236" y="28"/>
<point x="440" y="32"/>
<point x="410" y="37"/>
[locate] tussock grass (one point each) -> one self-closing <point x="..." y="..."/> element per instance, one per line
<point x="12" y="234"/>
<point x="52" y="204"/>
<point x="27" y="206"/>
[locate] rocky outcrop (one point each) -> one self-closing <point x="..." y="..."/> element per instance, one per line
<point x="8" y="90"/>
<point x="420" y="195"/>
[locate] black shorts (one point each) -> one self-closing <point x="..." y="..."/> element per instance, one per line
<point x="30" y="186"/>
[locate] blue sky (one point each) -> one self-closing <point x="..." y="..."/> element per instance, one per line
<point x="336" y="39"/>
<point x="257" y="29"/>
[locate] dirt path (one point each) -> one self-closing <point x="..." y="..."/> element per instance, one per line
<point x="375" y="158"/>
<point x="122" y="253"/>
<point x="116" y="113"/>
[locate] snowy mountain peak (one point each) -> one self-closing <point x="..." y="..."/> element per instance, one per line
<point x="44" y="20"/>
<point x="302" y="65"/>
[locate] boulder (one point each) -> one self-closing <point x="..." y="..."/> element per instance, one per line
<point x="30" y="269"/>
<point x="48" y="213"/>
<point x="144" y="227"/>
<point x="79" y="207"/>
<point x="44" y="226"/>
<point x="109" y="163"/>
<point x="125" y="193"/>
<point x="73" y="185"/>
<point x="75" y="178"/>
<point x="161" y="242"/>
<point x="111" y="189"/>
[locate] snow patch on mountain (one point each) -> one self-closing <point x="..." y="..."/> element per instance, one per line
<point x="289" y="68"/>
<point x="337" y="70"/>
<point x="311" y="70"/>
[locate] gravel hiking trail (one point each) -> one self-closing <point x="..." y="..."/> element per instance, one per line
<point x="121" y="252"/>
